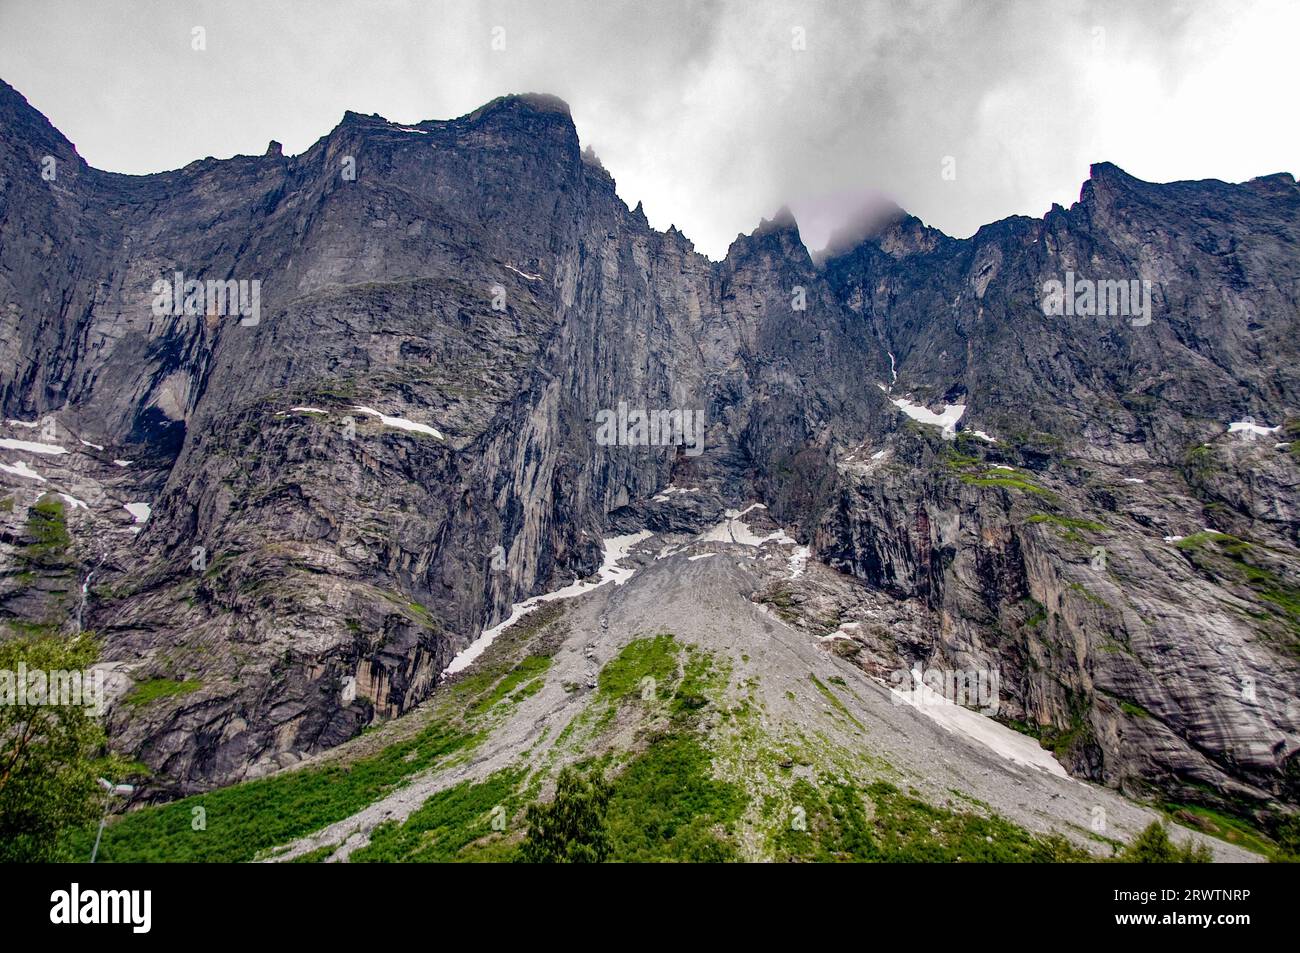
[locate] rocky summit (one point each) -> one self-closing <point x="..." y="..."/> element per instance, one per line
<point x="421" y="451"/>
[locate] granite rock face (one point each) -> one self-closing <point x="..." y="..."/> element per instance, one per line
<point x="344" y="492"/>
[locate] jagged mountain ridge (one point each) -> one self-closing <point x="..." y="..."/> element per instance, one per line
<point x="371" y="557"/>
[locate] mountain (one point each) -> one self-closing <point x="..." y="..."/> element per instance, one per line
<point x="906" y="459"/>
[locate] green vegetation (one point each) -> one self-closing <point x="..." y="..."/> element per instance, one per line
<point x="703" y="678"/>
<point x="1061" y="741"/>
<point x="834" y="700"/>
<point x="1039" y="615"/>
<point x="48" y="528"/>
<point x="529" y="671"/>
<point x="642" y="658"/>
<point x="237" y="822"/>
<point x="1008" y="482"/>
<point x="954" y="460"/>
<point x="452" y="825"/>
<point x="50" y="756"/>
<point x="1283" y="846"/>
<point x="1088" y="594"/>
<point x="663" y="806"/>
<point x="315" y="856"/>
<point x="1228" y="557"/>
<point x="1197" y="540"/>
<point x="837" y="821"/>
<point x="1067" y="522"/>
<point x="1134" y="709"/>
<point x="1153" y="846"/>
<point x="156" y="688"/>
<point x="1199" y="462"/>
<point x="570" y="829"/>
<point x="666" y="805"/>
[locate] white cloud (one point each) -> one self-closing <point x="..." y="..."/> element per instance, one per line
<point x="703" y="110"/>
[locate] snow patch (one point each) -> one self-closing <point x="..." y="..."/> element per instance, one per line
<point x="87" y="443"/>
<point x="122" y="463"/>
<point x="140" y="511"/>
<point x="921" y="414"/>
<point x="29" y="447"/>
<point x="616" y="549"/>
<point x="23" y="423"/>
<point x="400" y="423"/>
<point x="700" y="556"/>
<point x="799" y="561"/>
<point x="1250" y="428"/>
<point x="1011" y="745"/>
<point x="308" y="410"/>
<point x="524" y="274"/>
<point x="1133" y="480"/>
<point x="982" y="435"/>
<point x="74" y="501"/>
<point x="734" y="530"/>
<point x="21" y="469"/>
<point x="662" y="496"/>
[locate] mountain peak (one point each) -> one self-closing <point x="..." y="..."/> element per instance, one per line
<point x="783" y="220"/>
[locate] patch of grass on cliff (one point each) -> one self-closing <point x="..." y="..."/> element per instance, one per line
<point x="1008" y="482"/>
<point x="1088" y="594"/>
<point x="1039" y="615"/>
<point x="1067" y="522"/>
<point x="781" y="599"/>
<point x="955" y="460"/>
<point x="1200" y="462"/>
<point x="1234" y="830"/>
<point x="1133" y="708"/>
<point x="654" y="657"/>
<point x="1221" y="554"/>
<point x="1197" y="540"/>
<point x="840" y="822"/>
<point x="1060" y="741"/>
<point x="47" y="527"/>
<point x="316" y="856"/>
<point x="146" y="692"/>
<point x="244" y="819"/>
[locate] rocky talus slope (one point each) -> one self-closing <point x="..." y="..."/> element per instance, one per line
<point x="284" y="532"/>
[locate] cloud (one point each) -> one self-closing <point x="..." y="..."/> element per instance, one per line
<point x="713" y="114"/>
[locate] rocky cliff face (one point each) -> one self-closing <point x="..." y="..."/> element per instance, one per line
<point x="344" y="494"/>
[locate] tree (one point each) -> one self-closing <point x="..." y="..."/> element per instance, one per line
<point x="50" y="754"/>
<point x="571" y="829"/>
<point x="1153" y="846"/>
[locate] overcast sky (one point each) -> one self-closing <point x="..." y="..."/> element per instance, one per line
<point x="708" y="112"/>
